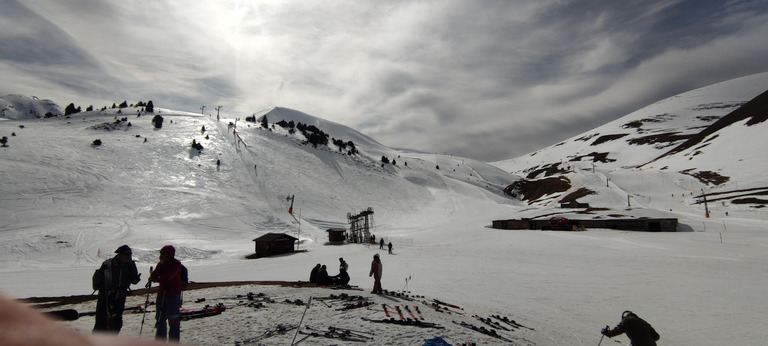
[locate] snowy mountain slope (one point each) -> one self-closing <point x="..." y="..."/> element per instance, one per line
<point x="712" y="134"/>
<point x="23" y="107"/>
<point x="65" y="205"/>
<point x="141" y="177"/>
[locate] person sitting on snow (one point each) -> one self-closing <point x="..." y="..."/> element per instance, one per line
<point x="342" y="278"/>
<point x="322" y="277"/>
<point x="313" y="274"/>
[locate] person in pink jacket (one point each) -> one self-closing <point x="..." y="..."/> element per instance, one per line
<point x="376" y="269"/>
<point x="168" y="274"/>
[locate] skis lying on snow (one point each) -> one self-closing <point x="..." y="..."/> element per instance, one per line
<point x="510" y="322"/>
<point x="439" y="308"/>
<point x="408" y="322"/>
<point x="396" y="308"/>
<point x="359" y="304"/>
<point x="486" y="331"/>
<point x="188" y="314"/>
<point x="332" y="335"/>
<point x="491" y="323"/>
<point x="407" y="308"/>
<point x="399" y="295"/>
<point x="344" y="332"/>
<point x="343" y="297"/>
<point x="418" y="311"/>
<point x="279" y="329"/>
<point x="447" y="304"/>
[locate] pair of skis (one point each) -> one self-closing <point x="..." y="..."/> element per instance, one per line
<point x="359" y="304"/>
<point x="400" y="311"/>
<point x="483" y="330"/>
<point x="408" y="322"/>
<point x="335" y="333"/>
<point x="279" y="329"/>
<point x="510" y="322"/>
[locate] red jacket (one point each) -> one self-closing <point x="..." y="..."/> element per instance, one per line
<point x="168" y="274"/>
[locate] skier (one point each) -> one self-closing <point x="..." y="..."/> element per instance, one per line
<point x="313" y="274"/>
<point x="112" y="281"/>
<point x="168" y="303"/>
<point x="390" y="248"/>
<point x="343" y="264"/>
<point x="639" y="332"/>
<point x="381" y="243"/>
<point x="376" y="270"/>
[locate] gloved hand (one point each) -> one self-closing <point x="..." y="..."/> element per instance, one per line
<point x="605" y="330"/>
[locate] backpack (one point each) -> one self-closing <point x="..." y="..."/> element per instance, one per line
<point x="184" y="277"/>
<point x="102" y="276"/>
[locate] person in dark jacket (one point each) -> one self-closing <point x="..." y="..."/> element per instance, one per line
<point x="168" y="304"/>
<point x="313" y="274"/>
<point x="342" y="278"/>
<point x="639" y="332"/>
<point x="343" y="263"/>
<point x="113" y="280"/>
<point x="322" y="276"/>
<point x="376" y="271"/>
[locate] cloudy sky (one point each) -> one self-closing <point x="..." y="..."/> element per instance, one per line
<point x="488" y="80"/>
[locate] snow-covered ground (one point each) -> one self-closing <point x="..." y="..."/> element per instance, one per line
<point x="66" y="205"/>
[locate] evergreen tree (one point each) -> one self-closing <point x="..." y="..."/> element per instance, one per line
<point x="157" y="121"/>
<point x="70" y="109"/>
<point x="149" y="108"/>
<point x="124" y="104"/>
<point x="264" y="122"/>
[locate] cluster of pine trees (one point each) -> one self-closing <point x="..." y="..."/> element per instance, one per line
<point x="148" y="107"/>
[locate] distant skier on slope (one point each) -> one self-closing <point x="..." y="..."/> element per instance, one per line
<point x="639" y="332"/>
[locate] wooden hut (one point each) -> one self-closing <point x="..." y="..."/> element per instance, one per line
<point x="272" y="244"/>
<point x="337" y="236"/>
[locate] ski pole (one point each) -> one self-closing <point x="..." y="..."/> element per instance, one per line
<point x="601" y="340"/>
<point x="406" y="283"/>
<point x="146" y="303"/>
<point x="302" y="320"/>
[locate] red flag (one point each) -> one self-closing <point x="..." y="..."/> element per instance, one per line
<point x="290" y="210"/>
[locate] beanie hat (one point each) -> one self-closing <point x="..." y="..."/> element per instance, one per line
<point x="169" y="249"/>
<point x="122" y="249"/>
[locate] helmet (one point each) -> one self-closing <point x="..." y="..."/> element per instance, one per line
<point x="626" y="313"/>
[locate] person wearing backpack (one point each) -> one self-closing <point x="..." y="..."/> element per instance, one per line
<point x="168" y="273"/>
<point x="113" y="280"/>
